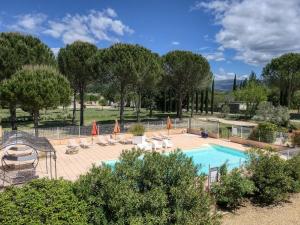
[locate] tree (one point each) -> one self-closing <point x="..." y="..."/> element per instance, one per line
<point x="40" y="87"/>
<point x="284" y="73"/>
<point x="206" y="101"/>
<point x="17" y="50"/>
<point x="42" y="201"/>
<point x="153" y="189"/>
<point x="234" y="87"/>
<point x="120" y="66"/>
<point x="212" y="97"/>
<point x="253" y="93"/>
<point x="296" y="100"/>
<point x="76" y="63"/>
<point x="187" y="72"/>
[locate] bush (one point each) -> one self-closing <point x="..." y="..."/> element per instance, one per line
<point x="267" y="112"/>
<point x="265" y="132"/>
<point x="294" y="171"/>
<point x="232" y="189"/>
<point x="146" y="188"/>
<point x="270" y="176"/>
<point x="225" y="110"/>
<point x="42" y="202"/>
<point x="137" y="129"/>
<point x="296" y="138"/>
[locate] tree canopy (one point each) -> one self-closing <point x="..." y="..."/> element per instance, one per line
<point x="75" y="62"/>
<point x="40" y="87"/>
<point x="284" y="73"/>
<point x="186" y="72"/>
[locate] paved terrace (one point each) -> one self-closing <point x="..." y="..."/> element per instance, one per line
<point x="71" y="167"/>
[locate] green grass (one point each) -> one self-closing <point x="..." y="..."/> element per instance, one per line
<point x="60" y="117"/>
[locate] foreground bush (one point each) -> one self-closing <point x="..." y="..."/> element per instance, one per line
<point x="270" y="176"/>
<point x="294" y="171"/>
<point x="42" y="202"/>
<point x="148" y="189"/>
<point x="232" y="189"/>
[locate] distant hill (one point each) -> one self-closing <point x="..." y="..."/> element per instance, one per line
<point x="225" y="85"/>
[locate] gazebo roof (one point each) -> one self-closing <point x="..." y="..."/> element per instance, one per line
<point x="22" y="138"/>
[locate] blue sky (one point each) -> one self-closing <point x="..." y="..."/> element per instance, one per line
<point x="236" y="36"/>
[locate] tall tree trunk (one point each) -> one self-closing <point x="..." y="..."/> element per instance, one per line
<point x="122" y="105"/>
<point x="197" y="101"/>
<point x="165" y="101"/>
<point x="13" y="117"/>
<point x="170" y="102"/>
<point x="289" y="93"/>
<point x="212" y="97"/>
<point x="281" y="97"/>
<point x="36" y="123"/>
<point x="81" y="106"/>
<point x="138" y="108"/>
<point x="192" y="105"/>
<point x="206" y="101"/>
<point x="180" y="106"/>
<point x="74" y="107"/>
<point x="202" y="101"/>
<point x="188" y="103"/>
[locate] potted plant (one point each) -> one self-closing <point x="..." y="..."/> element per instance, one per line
<point x="138" y="131"/>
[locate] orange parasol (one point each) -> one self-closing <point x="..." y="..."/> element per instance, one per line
<point x="116" y="128"/>
<point x="94" y="130"/>
<point x="169" y="124"/>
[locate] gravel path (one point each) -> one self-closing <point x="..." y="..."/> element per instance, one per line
<point x="285" y="214"/>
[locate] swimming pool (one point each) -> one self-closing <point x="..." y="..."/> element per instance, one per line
<point x="211" y="156"/>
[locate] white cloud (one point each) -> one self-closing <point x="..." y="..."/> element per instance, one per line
<point x="175" y="43"/>
<point x="222" y="74"/>
<point x="55" y="51"/>
<point x="92" y="27"/>
<point x="257" y="29"/>
<point x="28" y="22"/>
<point x="215" y="56"/>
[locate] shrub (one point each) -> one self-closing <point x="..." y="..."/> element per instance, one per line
<point x="232" y="189"/>
<point x="153" y="189"/>
<point x="265" y="132"/>
<point x="296" y="138"/>
<point x="294" y="171"/>
<point x="42" y="201"/>
<point x="270" y="176"/>
<point x="225" y="110"/>
<point x="137" y="129"/>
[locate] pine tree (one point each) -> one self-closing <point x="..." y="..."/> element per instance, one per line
<point x="212" y="97"/>
<point x="206" y="101"/>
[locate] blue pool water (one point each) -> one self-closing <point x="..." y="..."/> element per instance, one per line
<point x="211" y="156"/>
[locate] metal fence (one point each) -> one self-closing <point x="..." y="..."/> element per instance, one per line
<point x="82" y="131"/>
<point x="209" y="126"/>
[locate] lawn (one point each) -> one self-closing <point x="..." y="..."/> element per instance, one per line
<point x="62" y="117"/>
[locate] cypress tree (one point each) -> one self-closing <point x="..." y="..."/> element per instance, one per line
<point x="234" y="83"/>
<point x="197" y="101"/>
<point x="212" y="97"/>
<point x="202" y="101"/>
<point x="206" y="101"/>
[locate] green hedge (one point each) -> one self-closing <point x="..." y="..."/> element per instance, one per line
<point x="264" y="132"/>
<point x="42" y="201"/>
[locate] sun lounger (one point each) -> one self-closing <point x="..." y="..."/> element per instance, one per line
<point x="167" y="143"/>
<point x="145" y="146"/>
<point x="72" y="143"/>
<point x="84" y="144"/>
<point x="125" y="141"/>
<point x="164" y="136"/>
<point x="157" y="137"/>
<point x="72" y="147"/>
<point x="111" y="141"/>
<point x="102" y="141"/>
<point x="156" y="145"/>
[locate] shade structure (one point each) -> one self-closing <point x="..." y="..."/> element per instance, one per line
<point x="169" y="124"/>
<point x="94" y="129"/>
<point x="116" y="128"/>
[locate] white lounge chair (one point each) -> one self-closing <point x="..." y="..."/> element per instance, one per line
<point x="111" y="141"/>
<point x="164" y="136"/>
<point x="125" y="141"/>
<point x="102" y="141"/>
<point x="83" y="143"/>
<point x="72" y="143"/>
<point x="156" y="145"/>
<point x="145" y="146"/>
<point x="72" y="147"/>
<point x="167" y="143"/>
<point x="157" y="137"/>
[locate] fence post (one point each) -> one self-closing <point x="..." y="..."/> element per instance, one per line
<point x="175" y="123"/>
<point x="218" y="125"/>
<point x="162" y="124"/>
<point x="242" y="132"/>
<point x="79" y="130"/>
<point x="57" y="132"/>
<point x="148" y="126"/>
<point x="190" y="123"/>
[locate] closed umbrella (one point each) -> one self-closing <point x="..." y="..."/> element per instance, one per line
<point x="169" y="124"/>
<point x="94" y="130"/>
<point x="116" y="128"/>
